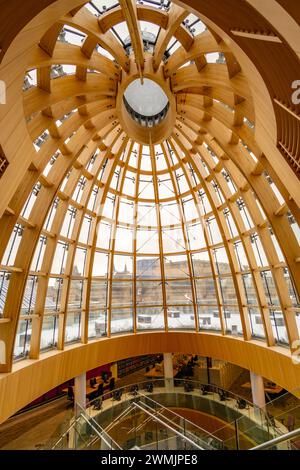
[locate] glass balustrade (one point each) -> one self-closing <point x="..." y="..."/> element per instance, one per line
<point x="144" y="416"/>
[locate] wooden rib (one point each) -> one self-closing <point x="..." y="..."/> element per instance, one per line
<point x="176" y="17"/>
<point x="130" y="14"/>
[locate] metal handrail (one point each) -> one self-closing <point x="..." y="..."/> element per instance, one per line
<point x="65" y="433"/>
<point x="94" y="425"/>
<point x="179" y="416"/>
<point x="216" y="388"/>
<point x="100" y="434"/>
<point x="277" y="440"/>
<point x="169" y="427"/>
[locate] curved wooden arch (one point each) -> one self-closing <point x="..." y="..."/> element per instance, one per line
<point x="34" y="379"/>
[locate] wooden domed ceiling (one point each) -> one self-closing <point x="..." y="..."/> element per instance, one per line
<point x="116" y="223"/>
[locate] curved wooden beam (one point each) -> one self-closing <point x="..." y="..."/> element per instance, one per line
<point x="273" y="363"/>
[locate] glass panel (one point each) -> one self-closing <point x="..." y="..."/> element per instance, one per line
<point x="85" y="230"/>
<point x="97" y="323"/>
<point x="75" y="295"/>
<point x="79" y="262"/>
<point x="39" y="254"/>
<point x="103" y="235"/>
<point x="73" y="327"/>
<point x="291" y="288"/>
<point x="230" y="223"/>
<point x="213" y="231"/>
<point x="148" y="27"/>
<point x="121" y="293"/>
<point x="53" y="296"/>
<point x="249" y="289"/>
<point x="124" y="240"/>
<point x="68" y="224"/>
<point x="201" y="264"/>
<point x="278" y="326"/>
<point x="60" y="258"/>
<point x="228" y="290"/>
<point x="129" y="184"/>
<point x="209" y="318"/>
<point x="277" y="247"/>
<point x="204" y="205"/>
<point x="147" y="241"/>
<point x="100" y="264"/>
<point x="121" y="320"/>
<point x="248" y="222"/>
<point x="49" y="332"/>
<point x="256" y="323"/>
<point x="295" y="227"/>
<point x="147" y="215"/>
<point x="29" y="297"/>
<point x="205" y="289"/>
<point x="26" y="211"/>
<point x="126" y="212"/>
<point x="176" y="266"/>
<point x="233" y="320"/>
<point x="196" y="236"/>
<point x="190" y="210"/>
<point x="123" y="266"/>
<point x="169" y="215"/>
<point x="151" y="318"/>
<point x="149" y="293"/>
<point x="108" y="207"/>
<point x="22" y="341"/>
<point x="241" y="256"/>
<point x="179" y="292"/>
<point x="51" y="215"/>
<point x="12" y="246"/>
<point x="166" y="190"/>
<point x="98" y="294"/>
<point x="269" y="288"/>
<point x="221" y="260"/>
<point x="4" y="284"/>
<point x="259" y="252"/>
<point x="181" y="317"/>
<point x="173" y="240"/>
<point x="148" y="268"/>
<point x="92" y="199"/>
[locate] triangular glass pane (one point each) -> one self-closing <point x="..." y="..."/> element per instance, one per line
<point x="124" y="240"/>
<point x="147" y="215"/>
<point x="165" y="188"/>
<point x="148" y="268"/>
<point x="146" y="188"/>
<point x="196" y="237"/>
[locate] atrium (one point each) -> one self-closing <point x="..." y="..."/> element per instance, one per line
<point x="149" y="214"/>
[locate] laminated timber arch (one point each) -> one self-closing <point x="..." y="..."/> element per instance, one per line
<point x="231" y="150"/>
<point x="76" y="359"/>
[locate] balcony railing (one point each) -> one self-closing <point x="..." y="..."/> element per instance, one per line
<point x="146" y="121"/>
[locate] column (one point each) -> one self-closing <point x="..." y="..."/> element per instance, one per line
<point x="114" y="370"/>
<point x="79" y="399"/>
<point x="168" y="371"/>
<point x="258" y="390"/>
<point x="258" y="394"/>
<point x="80" y="390"/>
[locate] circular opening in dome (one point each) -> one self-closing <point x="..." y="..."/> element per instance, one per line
<point x="147" y="103"/>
